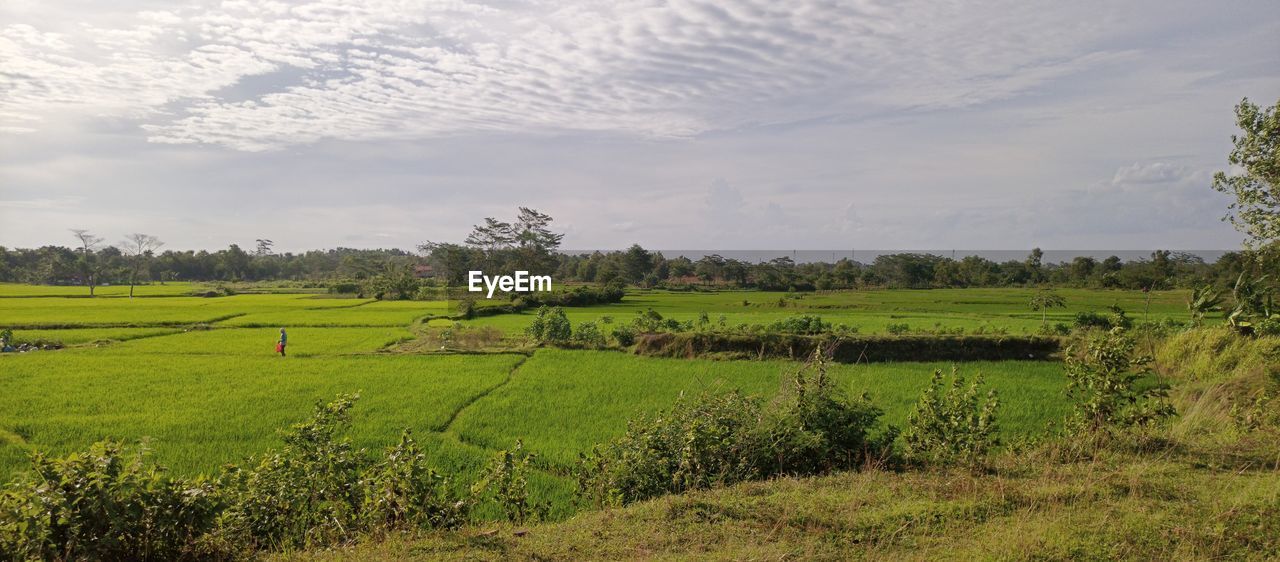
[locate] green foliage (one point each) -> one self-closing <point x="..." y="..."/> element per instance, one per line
<point x="1254" y="302"/>
<point x="318" y="490"/>
<point x="588" y="334"/>
<point x="550" y="326"/>
<point x="1045" y="299"/>
<point x="950" y="424"/>
<point x="897" y="328"/>
<point x="721" y="439"/>
<point x="105" y="504"/>
<point x="624" y="335"/>
<point x="306" y="494"/>
<point x="1256" y="210"/>
<point x="1105" y="384"/>
<point x="1203" y="300"/>
<point x="401" y="492"/>
<point x="802" y="324"/>
<point x="505" y="481"/>
<point x="467" y="308"/>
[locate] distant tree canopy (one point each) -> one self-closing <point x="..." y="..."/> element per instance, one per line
<point x="529" y="243"/>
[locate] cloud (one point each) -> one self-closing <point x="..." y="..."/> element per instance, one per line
<point x="411" y="69"/>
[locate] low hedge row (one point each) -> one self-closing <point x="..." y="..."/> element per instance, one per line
<point x="849" y="349"/>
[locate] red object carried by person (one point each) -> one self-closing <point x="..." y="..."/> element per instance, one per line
<point x="279" y="347"/>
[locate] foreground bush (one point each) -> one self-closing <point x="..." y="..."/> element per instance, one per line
<point x="716" y="440"/>
<point x="105" y="504"/>
<point x="315" y="491"/>
<point x="949" y="424"/>
<point x="1106" y="384"/>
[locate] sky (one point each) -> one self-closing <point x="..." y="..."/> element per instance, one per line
<point x="690" y="124"/>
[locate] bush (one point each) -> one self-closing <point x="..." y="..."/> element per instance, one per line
<point x="316" y="491"/>
<point x="345" y="288"/>
<point x="1104" y="384"/>
<point x="578" y="296"/>
<point x="550" y="326"/>
<point x="722" y="439"/>
<point x="949" y="424"/>
<point x="624" y="335"/>
<point x="467" y="308"/>
<point x="505" y="481"/>
<point x="588" y="334"/>
<point x="104" y="504"/>
<point x="319" y="491"/>
<point x="803" y="324"/>
<point x="896" y="328"/>
<point x="1089" y="319"/>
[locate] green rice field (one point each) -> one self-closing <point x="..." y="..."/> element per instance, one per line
<point x="199" y="380"/>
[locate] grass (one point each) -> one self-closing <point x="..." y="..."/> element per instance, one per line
<point x="210" y="396"/>
<point x="377" y="313"/>
<point x="82" y="336"/>
<point x="152" y="290"/>
<point x="872" y="311"/>
<point x="563" y="402"/>
<point x="203" y="411"/>
<point x="303" y="342"/>
<point x="1125" y="507"/>
<point x="62" y="312"/>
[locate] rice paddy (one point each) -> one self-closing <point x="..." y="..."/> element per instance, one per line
<point x="198" y="377"/>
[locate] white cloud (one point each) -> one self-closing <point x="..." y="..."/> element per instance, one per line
<point x="426" y="68"/>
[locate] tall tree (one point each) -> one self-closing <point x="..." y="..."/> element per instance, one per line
<point x="87" y="263"/>
<point x="264" y="247"/>
<point x="1256" y="210"/>
<point x="138" y="250"/>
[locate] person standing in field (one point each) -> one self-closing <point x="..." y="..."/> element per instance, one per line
<point x="284" y="341"/>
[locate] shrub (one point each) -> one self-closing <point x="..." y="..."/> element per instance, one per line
<point x="802" y="324"/>
<point x="401" y="492"/>
<point x="345" y="288"/>
<point x="319" y="491"/>
<point x="720" y="439"/>
<point x="505" y="481"/>
<point x="1104" y="383"/>
<point x="897" y="328"/>
<point x="624" y="335"/>
<point x="1089" y="319"/>
<point x="550" y="326"/>
<point x="950" y="424"/>
<point x="697" y="444"/>
<point x="588" y="334"/>
<point x="578" y="296"/>
<point x="104" y="504"/>
<point x="467" y="308"/>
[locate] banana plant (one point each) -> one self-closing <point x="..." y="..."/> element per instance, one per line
<point x="1204" y="300"/>
<point x="1254" y="299"/>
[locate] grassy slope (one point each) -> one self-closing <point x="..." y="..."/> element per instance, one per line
<point x="1123" y="507"/>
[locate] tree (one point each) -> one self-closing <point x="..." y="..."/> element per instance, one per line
<point x="264" y="247"/>
<point x="138" y="249"/>
<point x="1045" y="299"/>
<point x="1256" y="210"/>
<point x="638" y="263"/>
<point x="88" y="263"/>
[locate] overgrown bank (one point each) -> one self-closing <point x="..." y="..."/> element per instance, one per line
<point x="849" y="349"/>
